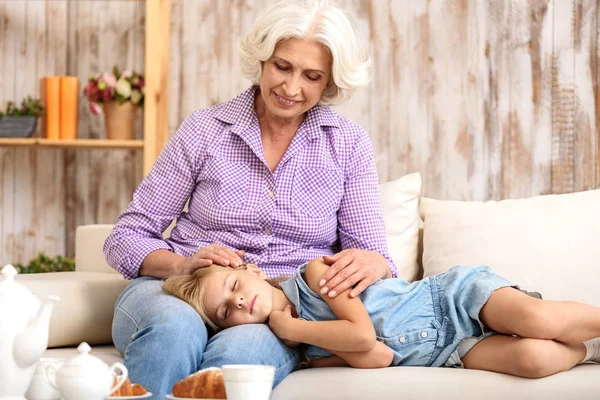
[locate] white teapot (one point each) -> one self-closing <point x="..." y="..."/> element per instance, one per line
<point x="86" y="377"/>
<point x="24" y="326"/>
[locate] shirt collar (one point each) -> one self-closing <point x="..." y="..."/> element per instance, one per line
<point x="240" y="112"/>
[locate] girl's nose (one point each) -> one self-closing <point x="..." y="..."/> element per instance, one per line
<point x="240" y="301"/>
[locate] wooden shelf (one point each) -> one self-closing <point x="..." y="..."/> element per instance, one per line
<point x="156" y="71"/>
<point x="77" y="143"/>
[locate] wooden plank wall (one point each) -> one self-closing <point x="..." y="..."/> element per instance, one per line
<point x="486" y="99"/>
<point x="46" y="193"/>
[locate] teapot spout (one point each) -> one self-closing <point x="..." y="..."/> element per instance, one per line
<point x="31" y="344"/>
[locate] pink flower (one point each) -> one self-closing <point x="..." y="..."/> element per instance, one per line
<point x="138" y="82"/>
<point x="95" y="108"/>
<point x="91" y="91"/>
<point x="126" y="74"/>
<point x="110" y="79"/>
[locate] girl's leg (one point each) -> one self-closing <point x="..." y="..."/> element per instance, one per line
<point x="524" y="357"/>
<point x="511" y="312"/>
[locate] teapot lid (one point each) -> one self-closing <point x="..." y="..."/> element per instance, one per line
<point x="8" y="274"/>
<point x="8" y="271"/>
<point x="21" y="297"/>
<point x="83" y="365"/>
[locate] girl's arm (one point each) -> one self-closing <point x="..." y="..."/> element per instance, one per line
<point x="351" y="338"/>
<point x="352" y="331"/>
<point x="331" y="361"/>
<point x="380" y="357"/>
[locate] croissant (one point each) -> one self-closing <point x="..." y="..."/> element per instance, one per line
<point x="206" y="383"/>
<point x="129" y="389"/>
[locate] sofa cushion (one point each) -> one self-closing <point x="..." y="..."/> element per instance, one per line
<point x="89" y="243"/>
<point x="400" y="207"/>
<point x="86" y="307"/>
<point x="435" y="383"/>
<point x="547" y="243"/>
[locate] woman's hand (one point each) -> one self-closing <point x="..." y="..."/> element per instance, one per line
<point x="207" y="256"/>
<point x="353" y="267"/>
<point x="279" y="322"/>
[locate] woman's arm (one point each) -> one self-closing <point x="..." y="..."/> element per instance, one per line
<point x="365" y="257"/>
<point x="157" y="201"/>
<point x="163" y="263"/>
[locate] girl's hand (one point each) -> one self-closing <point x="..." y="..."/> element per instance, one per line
<point x="279" y="322"/>
<point x="353" y="267"/>
<point x="290" y="343"/>
<point x="207" y="256"/>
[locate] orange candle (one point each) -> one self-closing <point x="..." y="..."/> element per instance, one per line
<point x="69" y="88"/>
<point x="52" y="106"/>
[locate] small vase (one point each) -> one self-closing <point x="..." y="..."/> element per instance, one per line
<point x="17" y="126"/>
<point x="119" y="120"/>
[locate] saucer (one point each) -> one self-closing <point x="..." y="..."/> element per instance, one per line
<point x="141" y="396"/>
<point x="171" y="397"/>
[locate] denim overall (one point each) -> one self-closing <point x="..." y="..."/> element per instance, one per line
<point x="423" y="322"/>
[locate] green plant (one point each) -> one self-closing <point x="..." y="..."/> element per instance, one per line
<point x="29" y="107"/>
<point x="44" y="263"/>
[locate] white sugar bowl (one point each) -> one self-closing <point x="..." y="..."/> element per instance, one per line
<point x="86" y="377"/>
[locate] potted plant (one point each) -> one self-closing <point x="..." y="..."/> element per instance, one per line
<point x="120" y="94"/>
<point x="20" y="122"/>
<point x="45" y="263"/>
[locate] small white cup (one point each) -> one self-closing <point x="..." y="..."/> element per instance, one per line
<point x="248" y="382"/>
<point x="40" y="388"/>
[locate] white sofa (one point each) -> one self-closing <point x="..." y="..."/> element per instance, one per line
<point x="547" y="244"/>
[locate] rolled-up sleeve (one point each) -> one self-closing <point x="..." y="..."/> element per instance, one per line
<point x="360" y="220"/>
<point x="158" y="200"/>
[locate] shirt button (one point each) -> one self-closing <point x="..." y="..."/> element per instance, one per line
<point x="268" y="231"/>
<point x="423" y="334"/>
<point x="270" y="193"/>
<point x="402" y="339"/>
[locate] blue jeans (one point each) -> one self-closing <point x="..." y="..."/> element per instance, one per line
<point x="163" y="340"/>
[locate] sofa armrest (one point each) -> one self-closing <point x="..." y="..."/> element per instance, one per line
<point x="89" y="241"/>
<point x="86" y="307"/>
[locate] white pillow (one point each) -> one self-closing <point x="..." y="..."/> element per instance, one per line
<point x="547" y="244"/>
<point x="400" y="207"/>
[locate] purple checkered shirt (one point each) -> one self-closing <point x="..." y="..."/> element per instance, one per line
<point x="322" y="197"/>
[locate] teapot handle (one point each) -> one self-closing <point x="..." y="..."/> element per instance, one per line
<point x="51" y="377"/>
<point x="120" y="378"/>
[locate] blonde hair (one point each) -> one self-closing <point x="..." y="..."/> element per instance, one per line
<point x="190" y="289"/>
<point x="310" y="19"/>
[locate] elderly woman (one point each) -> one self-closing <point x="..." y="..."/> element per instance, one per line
<point x="273" y="177"/>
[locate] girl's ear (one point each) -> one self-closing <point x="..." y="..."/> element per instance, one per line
<point x="256" y="271"/>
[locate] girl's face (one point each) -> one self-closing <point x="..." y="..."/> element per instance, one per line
<point x="294" y="78"/>
<point x="236" y="297"/>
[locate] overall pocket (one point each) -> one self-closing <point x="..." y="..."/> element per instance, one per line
<point x="415" y="347"/>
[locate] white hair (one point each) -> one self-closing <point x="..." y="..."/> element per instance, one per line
<point x="309" y="19"/>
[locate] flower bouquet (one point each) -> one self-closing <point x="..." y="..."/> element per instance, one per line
<point x="120" y="94"/>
